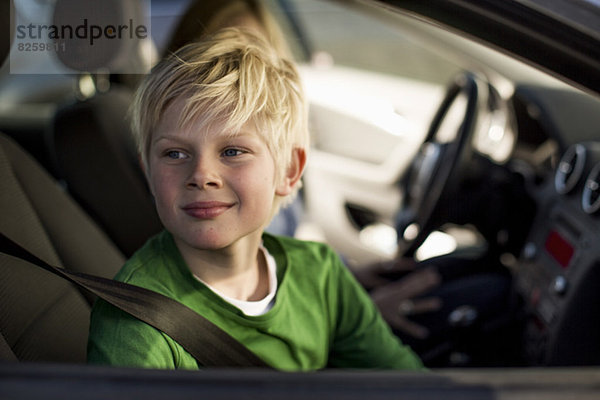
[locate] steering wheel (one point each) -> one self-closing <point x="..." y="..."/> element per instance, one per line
<point x="435" y="171"/>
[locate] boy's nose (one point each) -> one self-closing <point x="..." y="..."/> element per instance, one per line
<point x="204" y="175"/>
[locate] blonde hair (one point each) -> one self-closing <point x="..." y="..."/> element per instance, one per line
<point x="230" y="78"/>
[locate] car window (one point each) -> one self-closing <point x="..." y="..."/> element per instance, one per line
<point x="373" y="84"/>
<point x="363" y="78"/>
<point x="344" y="36"/>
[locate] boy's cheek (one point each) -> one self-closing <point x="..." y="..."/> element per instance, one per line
<point x="158" y="183"/>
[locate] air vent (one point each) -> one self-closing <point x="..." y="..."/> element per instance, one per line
<point x="590" y="199"/>
<point x="570" y="169"/>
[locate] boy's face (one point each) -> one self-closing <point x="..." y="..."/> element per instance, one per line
<point x="211" y="189"/>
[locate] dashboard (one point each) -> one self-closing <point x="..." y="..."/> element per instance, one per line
<point x="558" y="273"/>
<point x="548" y="136"/>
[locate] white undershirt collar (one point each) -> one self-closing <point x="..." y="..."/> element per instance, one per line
<point x="259" y="307"/>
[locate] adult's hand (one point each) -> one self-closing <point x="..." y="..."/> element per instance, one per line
<point x="397" y="300"/>
<point x="382" y="273"/>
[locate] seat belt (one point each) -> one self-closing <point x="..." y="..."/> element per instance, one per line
<point x="6" y="353"/>
<point x="206" y="342"/>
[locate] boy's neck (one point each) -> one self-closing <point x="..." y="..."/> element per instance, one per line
<point x="238" y="271"/>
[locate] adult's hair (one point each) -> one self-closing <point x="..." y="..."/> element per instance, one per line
<point x="204" y="17"/>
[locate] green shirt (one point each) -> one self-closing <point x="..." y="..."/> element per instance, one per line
<point x="321" y="317"/>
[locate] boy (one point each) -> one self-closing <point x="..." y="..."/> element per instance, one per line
<point x="222" y="134"/>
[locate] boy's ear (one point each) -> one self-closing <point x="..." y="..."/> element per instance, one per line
<point x="293" y="172"/>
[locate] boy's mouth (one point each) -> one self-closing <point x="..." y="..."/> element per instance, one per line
<point x="206" y="209"/>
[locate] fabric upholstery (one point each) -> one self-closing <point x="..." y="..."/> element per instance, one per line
<point x="43" y="317"/>
<point x="96" y="158"/>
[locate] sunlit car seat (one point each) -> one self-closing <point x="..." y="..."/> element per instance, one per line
<point x="43" y="317"/>
<point x="94" y="152"/>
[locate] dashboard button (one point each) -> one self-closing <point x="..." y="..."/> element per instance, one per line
<point x="560" y="285"/>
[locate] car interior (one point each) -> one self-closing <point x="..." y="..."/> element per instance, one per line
<point x="497" y="157"/>
<point x="83" y="234"/>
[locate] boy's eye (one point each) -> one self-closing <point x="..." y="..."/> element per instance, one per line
<point x="175" y="155"/>
<point x="232" y="152"/>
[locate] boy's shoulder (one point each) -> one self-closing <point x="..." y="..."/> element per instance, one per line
<point x="296" y="249"/>
<point x="291" y="243"/>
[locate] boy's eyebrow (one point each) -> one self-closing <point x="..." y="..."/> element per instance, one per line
<point x="177" y="138"/>
<point x="170" y="136"/>
<point x="167" y="137"/>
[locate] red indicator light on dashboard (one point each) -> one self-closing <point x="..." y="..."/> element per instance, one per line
<point x="559" y="248"/>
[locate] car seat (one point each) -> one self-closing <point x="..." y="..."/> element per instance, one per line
<point x="44" y="317"/>
<point x="92" y="146"/>
<point x="96" y="158"/>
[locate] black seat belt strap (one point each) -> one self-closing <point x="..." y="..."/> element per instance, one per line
<point x="6" y="353"/>
<point x="207" y="343"/>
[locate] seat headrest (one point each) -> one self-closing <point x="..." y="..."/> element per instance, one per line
<point x="99" y="35"/>
<point x="7" y="18"/>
